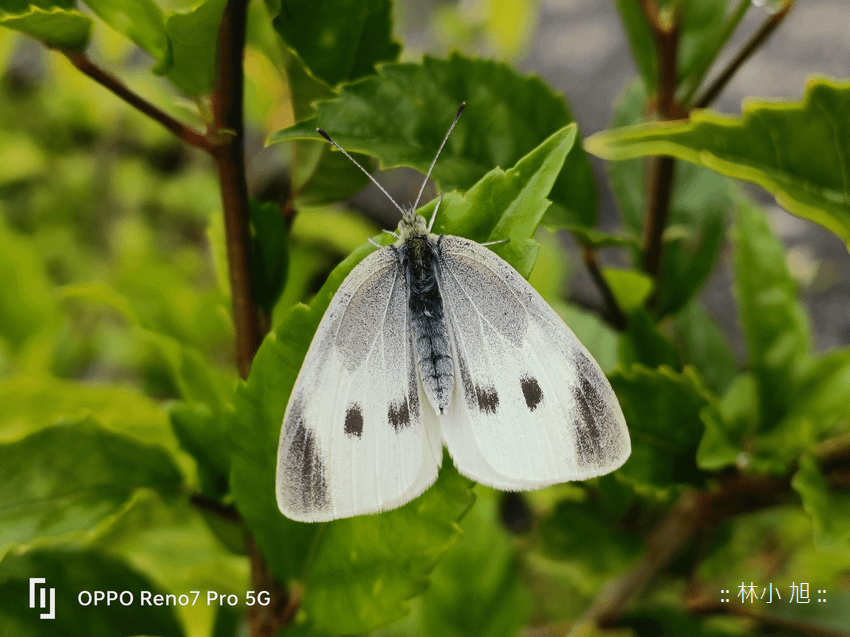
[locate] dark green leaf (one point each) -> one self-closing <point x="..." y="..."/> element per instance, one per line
<point x="476" y="589"/>
<point x="694" y="237"/>
<point x="60" y="28"/>
<point x="641" y="41"/>
<point x="68" y="573"/>
<point x="644" y="342"/>
<point x="193" y="36"/>
<point x="582" y="532"/>
<point x="140" y="20"/>
<point x="269" y="258"/>
<point x="807" y="170"/>
<point x="773" y="321"/>
<point x="201" y="433"/>
<point x="341" y="39"/>
<point x="829" y="510"/>
<point x="71" y="477"/>
<point x="705" y="346"/>
<point x="662" y="410"/>
<point x="507" y="115"/>
<point x="322" y="176"/>
<point x="701" y="27"/>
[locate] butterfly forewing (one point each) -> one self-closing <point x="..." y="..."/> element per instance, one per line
<point x="353" y="440"/>
<point x="530" y="407"/>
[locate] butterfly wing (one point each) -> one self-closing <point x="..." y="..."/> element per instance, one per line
<point x="353" y="439"/>
<point x="531" y="407"/>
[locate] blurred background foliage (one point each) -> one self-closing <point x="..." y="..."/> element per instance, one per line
<point x="117" y="350"/>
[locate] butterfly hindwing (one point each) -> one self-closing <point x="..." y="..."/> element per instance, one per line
<point x="531" y="407"/>
<point x="353" y="438"/>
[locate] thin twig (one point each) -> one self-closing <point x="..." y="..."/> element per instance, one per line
<point x="229" y="156"/>
<point x="753" y="45"/>
<point x="662" y="168"/>
<point x="618" y="317"/>
<point x="657" y="212"/>
<point x="113" y="84"/>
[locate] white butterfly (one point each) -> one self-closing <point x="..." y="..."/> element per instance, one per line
<point x="437" y="339"/>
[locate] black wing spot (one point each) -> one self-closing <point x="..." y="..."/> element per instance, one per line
<point x="488" y="399"/>
<point x="531" y="391"/>
<point x="399" y="415"/>
<point x="354" y="420"/>
<point x="304" y="460"/>
<point x="588" y="437"/>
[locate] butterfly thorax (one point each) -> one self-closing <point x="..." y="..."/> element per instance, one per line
<point x="417" y="251"/>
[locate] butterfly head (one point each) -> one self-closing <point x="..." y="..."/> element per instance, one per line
<point x="412" y="224"/>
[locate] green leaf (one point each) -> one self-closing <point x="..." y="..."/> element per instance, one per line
<point x="141" y="21"/>
<point x="582" y="532"/>
<point x="193" y="376"/>
<point x="269" y="258"/>
<point x="31" y="403"/>
<point x="662" y="409"/>
<point x="20" y="158"/>
<point x="643" y="342"/>
<point x="323" y="176"/>
<point x="68" y="572"/>
<point x="507" y="115"/>
<point x="174" y="542"/>
<point x="628" y="181"/>
<point x="630" y="288"/>
<point x="341" y="39"/>
<point x="202" y="434"/>
<point x="71" y="477"/>
<point x="363" y="552"/>
<point x="193" y="36"/>
<point x="476" y="589"/>
<point x="701" y="27"/>
<point x="60" y="28"/>
<point x="773" y="321"/>
<point x="705" y="346"/>
<point x="641" y="41"/>
<point x="693" y="240"/>
<point x="27" y="303"/>
<point x="830" y="511"/>
<point x="392" y="553"/>
<point x="796" y="151"/>
<point x="595" y="334"/>
<point x="822" y="391"/>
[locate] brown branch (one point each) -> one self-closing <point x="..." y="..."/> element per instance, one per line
<point x="226" y="511"/>
<point x="662" y="173"/>
<point x="618" y="318"/>
<point x="753" y="45"/>
<point x="698" y="511"/>
<point x="266" y="620"/>
<point x="114" y="85"/>
<point x="662" y="168"/>
<point x="229" y="156"/>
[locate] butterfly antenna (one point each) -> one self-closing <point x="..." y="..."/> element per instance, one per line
<point x="433" y="163"/>
<point x="366" y="172"/>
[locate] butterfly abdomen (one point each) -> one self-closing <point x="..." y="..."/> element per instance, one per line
<point x="427" y="319"/>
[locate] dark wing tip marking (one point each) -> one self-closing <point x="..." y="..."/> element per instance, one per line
<point x="399" y="414"/>
<point x="488" y="399"/>
<point x="354" y="420"/>
<point x="307" y="470"/>
<point x="589" y="438"/>
<point x="531" y="392"/>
